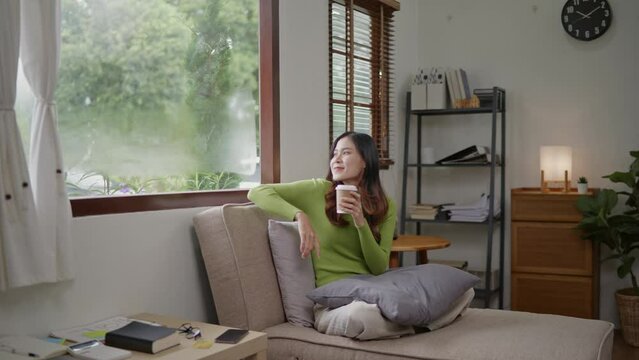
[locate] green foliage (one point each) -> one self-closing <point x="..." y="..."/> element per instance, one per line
<point x="138" y="185"/>
<point x="221" y="62"/>
<point x="213" y="181"/>
<point x="122" y="59"/>
<point x="146" y="91"/>
<point x="582" y="180"/>
<point x="618" y="231"/>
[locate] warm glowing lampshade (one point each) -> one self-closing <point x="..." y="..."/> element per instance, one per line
<point x="556" y="165"/>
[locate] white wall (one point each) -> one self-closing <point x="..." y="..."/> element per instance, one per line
<point x="559" y="91"/>
<point x="126" y="264"/>
<point x="304" y="141"/>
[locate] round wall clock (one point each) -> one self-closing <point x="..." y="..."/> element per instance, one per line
<point x="586" y="19"/>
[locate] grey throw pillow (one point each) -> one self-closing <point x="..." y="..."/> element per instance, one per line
<point x="414" y="295"/>
<point x="294" y="274"/>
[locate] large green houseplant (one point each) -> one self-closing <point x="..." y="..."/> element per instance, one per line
<point x="618" y="229"/>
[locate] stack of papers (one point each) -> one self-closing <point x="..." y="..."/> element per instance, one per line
<point x="26" y="347"/>
<point x="94" y="331"/>
<point x="476" y="212"/>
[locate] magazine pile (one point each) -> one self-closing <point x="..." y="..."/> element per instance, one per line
<point x="474" y="154"/>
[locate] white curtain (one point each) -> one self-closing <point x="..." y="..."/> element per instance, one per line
<point x="34" y="230"/>
<point x="40" y="56"/>
<point x="22" y="260"/>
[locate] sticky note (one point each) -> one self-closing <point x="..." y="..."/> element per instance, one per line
<point x="55" y="340"/>
<point x="96" y="335"/>
<point x="203" y="344"/>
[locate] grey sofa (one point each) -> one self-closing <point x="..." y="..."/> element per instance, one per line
<point x="235" y="248"/>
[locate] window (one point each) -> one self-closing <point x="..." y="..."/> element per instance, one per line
<point x="166" y="96"/>
<point x="360" y="43"/>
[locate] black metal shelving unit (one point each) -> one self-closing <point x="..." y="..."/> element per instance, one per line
<point x="497" y="109"/>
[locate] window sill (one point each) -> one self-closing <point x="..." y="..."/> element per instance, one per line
<point x="102" y="205"/>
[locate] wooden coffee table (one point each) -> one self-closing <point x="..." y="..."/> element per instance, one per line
<point x="252" y="346"/>
<point x="419" y="243"/>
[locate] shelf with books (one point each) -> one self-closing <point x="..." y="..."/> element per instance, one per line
<point x="480" y="110"/>
<point x="489" y="212"/>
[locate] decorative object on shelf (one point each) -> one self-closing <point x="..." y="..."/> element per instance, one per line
<point x="620" y="233"/>
<point x="428" y="89"/>
<point x="586" y="20"/>
<point x="418" y="96"/>
<point x="555" y="163"/>
<point x="485" y="97"/>
<point x="428" y="155"/>
<point x="582" y="185"/>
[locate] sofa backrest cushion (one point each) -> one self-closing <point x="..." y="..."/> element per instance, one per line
<point x="234" y="243"/>
<point x="294" y="273"/>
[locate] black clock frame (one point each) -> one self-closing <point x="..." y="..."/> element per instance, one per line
<point x="586" y="20"/>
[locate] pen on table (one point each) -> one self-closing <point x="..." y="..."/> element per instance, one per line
<point x="29" y="354"/>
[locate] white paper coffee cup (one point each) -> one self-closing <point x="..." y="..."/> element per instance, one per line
<point x="343" y="190"/>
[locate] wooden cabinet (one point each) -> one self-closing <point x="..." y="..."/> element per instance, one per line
<point x="554" y="270"/>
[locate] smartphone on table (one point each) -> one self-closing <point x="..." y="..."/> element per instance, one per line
<point x="231" y="336"/>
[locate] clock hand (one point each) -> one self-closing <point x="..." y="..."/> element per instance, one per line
<point x="583" y="15"/>
<point x="590" y="13"/>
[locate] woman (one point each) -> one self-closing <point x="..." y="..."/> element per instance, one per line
<point x="342" y="245"/>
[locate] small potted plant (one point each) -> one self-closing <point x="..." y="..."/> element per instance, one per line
<point x="619" y="231"/>
<point x="582" y="185"/>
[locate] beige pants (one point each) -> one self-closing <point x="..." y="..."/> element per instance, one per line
<point x="357" y="320"/>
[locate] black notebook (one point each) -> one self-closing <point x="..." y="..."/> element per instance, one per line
<point x="142" y="337"/>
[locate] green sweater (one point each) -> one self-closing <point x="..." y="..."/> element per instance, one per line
<point x="344" y="251"/>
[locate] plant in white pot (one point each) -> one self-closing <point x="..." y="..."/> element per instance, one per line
<point x="619" y="231"/>
<point x="582" y="185"/>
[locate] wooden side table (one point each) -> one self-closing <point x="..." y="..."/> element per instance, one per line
<point x="419" y="243"/>
<point x="252" y="346"/>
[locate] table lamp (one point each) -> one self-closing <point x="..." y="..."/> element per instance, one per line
<point x="556" y="166"/>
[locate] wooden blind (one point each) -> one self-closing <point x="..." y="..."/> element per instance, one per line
<point x="360" y="70"/>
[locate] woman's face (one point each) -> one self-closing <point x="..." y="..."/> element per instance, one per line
<point x="347" y="165"/>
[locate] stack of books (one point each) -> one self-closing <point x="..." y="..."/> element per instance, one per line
<point x="475" y="212"/>
<point x="459" y="90"/>
<point x="423" y="211"/>
<point x="428" y="212"/>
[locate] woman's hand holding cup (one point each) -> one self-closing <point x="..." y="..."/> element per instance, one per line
<point x="349" y="202"/>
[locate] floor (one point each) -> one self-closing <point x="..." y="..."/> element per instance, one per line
<point x="623" y="351"/>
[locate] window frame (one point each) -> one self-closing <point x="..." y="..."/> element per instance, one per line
<point x="381" y="104"/>
<point x="269" y="141"/>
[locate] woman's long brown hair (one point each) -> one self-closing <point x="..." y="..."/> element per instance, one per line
<point x="374" y="202"/>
